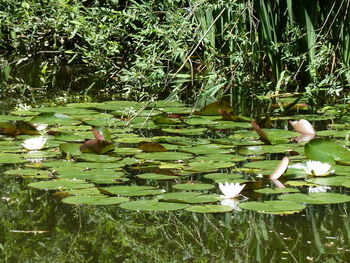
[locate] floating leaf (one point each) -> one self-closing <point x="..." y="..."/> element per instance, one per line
<point x="133" y="190"/>
<point x="189" y="197"/>
<point x="276" y="190"/>
<point x="28" y="172"/>
<point x="94" y="200"/>
<point x="168" y="156"/>
<point x="213" y="109"/>
<point x="273" y="207"/>
<point x="154" y="176"/>
<point x="317" y="198"/>
<point x="326" y="151"/>
<point x="217" y="176"/>
<point x="71" y="148"/>
<point x="209" y="209"/>
<point x="152" y="205"/>
<point x="193" y="186"/>
<point x="151" y="147"/>
<point x="90" y="157"/>
<point x="60" y="184"/>
<point x="6" y="158"/>
<point x="331" y="181"/>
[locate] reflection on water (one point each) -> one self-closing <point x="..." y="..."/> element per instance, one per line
<point x="110" y="234"/>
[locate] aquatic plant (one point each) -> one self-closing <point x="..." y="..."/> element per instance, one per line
<point x="316" y="168"/>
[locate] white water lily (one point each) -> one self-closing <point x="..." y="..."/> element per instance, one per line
<point x="317" y="168"/>
<point x="318" y="189"/>
<point x="35" y="143"/>
<point x="230" y="190"/>
<point x="232" y="202"/>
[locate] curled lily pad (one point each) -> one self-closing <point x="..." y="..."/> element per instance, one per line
<point x="152" y="205"/>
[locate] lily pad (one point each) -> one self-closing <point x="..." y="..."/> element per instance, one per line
<point x="273" y="207"/>
<point x="7" y="158"/>
<point x="193" y="186"/>
<point x="209" y="209"/>
<point x="326" y="151"/>
<point x="189" y="197"/>
<point x="60" y="184"/>
<point x="331" y="181"/>
<point x="154" y="176"/>
<point x="316" y="198"/>
<point x="276" y="190"/>
<point x="94" y="200"/>
<point x="168" y="156"/>
<point x="90" y="157"/>
<point x="152" y="205"/>
<point x="133" y="190"/>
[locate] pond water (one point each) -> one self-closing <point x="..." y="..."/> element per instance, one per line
<point x="167" y="148"/>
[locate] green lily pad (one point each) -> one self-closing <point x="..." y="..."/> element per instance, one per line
<point x="29" y="172"/>
<point x="189" y="197"/>
<point x="7" y="158"/>
<point x="276" y="190"/>
<point x="154" y="176"/>
<point x="168" y="156"/>
<point x="217" y="176"/>
<point x="209" y="166"/>
<point x="273" y="207"/>
<point x="133" y="190"/>
<point x="94" y="200"/>
<point x="331" y="181"/>
<point x="90" y="157"/>
<point x="220" y="158"/>
<point x="186" y="131"/>
<point x="327" y="151"/>
<point x="60" y="184"/>
<point x="71" y="148"/>
<point x="209" y="209"/>
<point x="205" y="149"/>
<point x="193" y="187"/>
<point x="316" y="198"/>
<point x="152" y="205"/>
<point x="84" y="191"/>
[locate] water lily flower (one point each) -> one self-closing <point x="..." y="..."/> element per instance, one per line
<point x="35" y="143"/>
<point x="318" y="189"/>
<point x="317" y="168"/>
<point x="232" y="202"/>
<point x="230" y="190"/>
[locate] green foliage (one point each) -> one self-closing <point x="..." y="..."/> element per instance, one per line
<point x="209" y="49"/>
